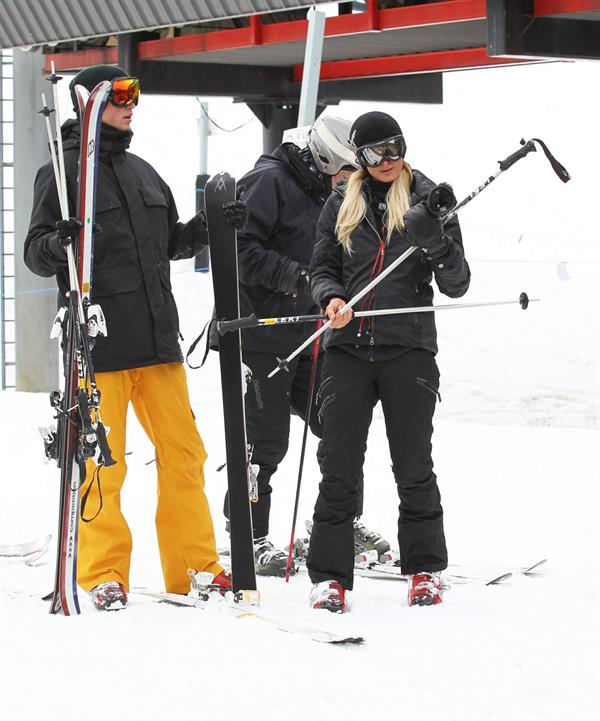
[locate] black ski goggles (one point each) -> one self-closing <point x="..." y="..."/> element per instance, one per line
<point x="124" y="92"/>
<point x="370" y="156"/>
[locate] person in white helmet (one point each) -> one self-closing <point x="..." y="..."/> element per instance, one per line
<point x="284" y="192"/>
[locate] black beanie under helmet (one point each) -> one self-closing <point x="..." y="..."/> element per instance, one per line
<point x="372" y="128"/>
<point x="90" y="77"/>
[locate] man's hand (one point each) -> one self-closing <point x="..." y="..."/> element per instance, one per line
<point x="67" y="231"/>
<point x="338" y="320"/>
<point x="236" y="213"/>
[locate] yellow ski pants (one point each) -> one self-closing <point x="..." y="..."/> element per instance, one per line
<point x="159" y="396"/>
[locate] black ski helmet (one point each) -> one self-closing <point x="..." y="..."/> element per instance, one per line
<point x="90" y="77"/>
<point x="372" y="128"/>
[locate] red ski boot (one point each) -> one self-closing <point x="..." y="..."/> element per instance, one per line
<point x="109" y="596"/>
<point x="424" y="589"/>
<point x="221" y="583"/>
<point x="203" y="584"/>
<point x="329" y="595"/>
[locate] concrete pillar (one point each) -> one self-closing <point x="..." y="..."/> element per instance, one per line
<point x="37" y="367"/>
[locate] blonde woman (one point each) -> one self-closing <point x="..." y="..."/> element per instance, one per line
<point x="362" y="229"/>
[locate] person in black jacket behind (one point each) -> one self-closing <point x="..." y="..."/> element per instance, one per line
<point x="362" y="230"/>
<point x="284" y="192"/>
<point x="140" y="361"/>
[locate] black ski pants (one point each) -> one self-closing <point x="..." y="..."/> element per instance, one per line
<point x="269" y="402"/>
<point x="407" y="387"/>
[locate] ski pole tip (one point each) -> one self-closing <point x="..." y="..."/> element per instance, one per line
<point x="282" y="364"/>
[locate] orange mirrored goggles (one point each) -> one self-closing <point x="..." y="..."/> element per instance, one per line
<point x="125" y="92"/>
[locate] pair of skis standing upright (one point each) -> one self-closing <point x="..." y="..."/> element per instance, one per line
<point x="80" y="433"/>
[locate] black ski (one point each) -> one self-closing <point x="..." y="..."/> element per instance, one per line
<point x="223" y="256"/>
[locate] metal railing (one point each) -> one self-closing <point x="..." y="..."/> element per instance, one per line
<point x="7" y="223"/>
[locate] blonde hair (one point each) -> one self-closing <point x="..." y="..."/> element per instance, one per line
<point x="354" y="206"/>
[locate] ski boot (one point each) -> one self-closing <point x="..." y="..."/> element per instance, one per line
<point x="300" y="551"/>
<point x="329" y="596"/>
<point x="109" y="596"/>
<point x="369" y="545"/>
<point x="424" y="589"/>
<point x="270" y="561"/>
<point x="203" y="584"/>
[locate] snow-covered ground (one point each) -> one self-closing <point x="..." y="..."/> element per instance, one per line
<point x="517" y="487"/>
<point x="517" y="455"/>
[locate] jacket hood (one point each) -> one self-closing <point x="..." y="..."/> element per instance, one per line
<point x="299" y="168"/>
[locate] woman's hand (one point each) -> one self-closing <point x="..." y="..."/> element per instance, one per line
<point x="338" y="320"/>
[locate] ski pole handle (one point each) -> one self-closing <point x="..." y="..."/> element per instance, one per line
<point x="251" y="321"/>
<point x="528" y="147"/>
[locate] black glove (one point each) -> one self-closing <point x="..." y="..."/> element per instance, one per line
<point x="287" y="276"/>
<point x="236" y="213"/>
<point x="441" y="200"/>
<point x="67" y="231"/>
<point x="425" y="231"/>
<point x="303" y="283"/>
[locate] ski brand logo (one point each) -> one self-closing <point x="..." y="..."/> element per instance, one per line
<point x="91" y="147"/>
<point x="220" y="183"/>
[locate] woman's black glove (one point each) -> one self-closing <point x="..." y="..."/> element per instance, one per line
<point x="425" y="231"/>
<point x="236" y="213"/>
<point x="67" y="231"/>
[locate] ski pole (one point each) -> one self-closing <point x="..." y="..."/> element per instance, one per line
<point x="82" y="348"/>
<point x="251" y="321"/>
<point x="508" y="162"/>
<point x="61" y="189"/>
<point x="309" y="400"/>
<point x="54" y="78"/>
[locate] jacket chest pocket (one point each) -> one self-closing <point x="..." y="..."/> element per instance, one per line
<point x="109" y="215"/>
<point x="156" y="210"/>
<point x="115" y="257"/>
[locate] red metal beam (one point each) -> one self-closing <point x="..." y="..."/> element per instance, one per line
<point x="295" y="31"/>
<point x="82" y="59"/>
<point x="432" y="14"/>
<point x="408" y="64"/>
<point x="562" y="7"/>
<point x="374" y="19"/>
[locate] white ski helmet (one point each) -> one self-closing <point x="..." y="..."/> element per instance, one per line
<point x="329" y="144"/>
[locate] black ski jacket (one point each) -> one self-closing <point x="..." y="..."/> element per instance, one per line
<point x="335" y="273"/>
<point x="284" y="199"/>
<point x="137" y="234"/>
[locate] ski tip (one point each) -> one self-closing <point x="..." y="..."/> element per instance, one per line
<point x="351" y="640"/>
<point x="533" y="569"/>
<point x="499" y="579"/>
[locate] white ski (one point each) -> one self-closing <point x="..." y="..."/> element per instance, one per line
<point x="23" y="550"/>
<point x="243" y="611"/>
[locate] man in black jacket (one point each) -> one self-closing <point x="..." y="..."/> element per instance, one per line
<point x="284" y="192"/>
<point x="140" y="361"/>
